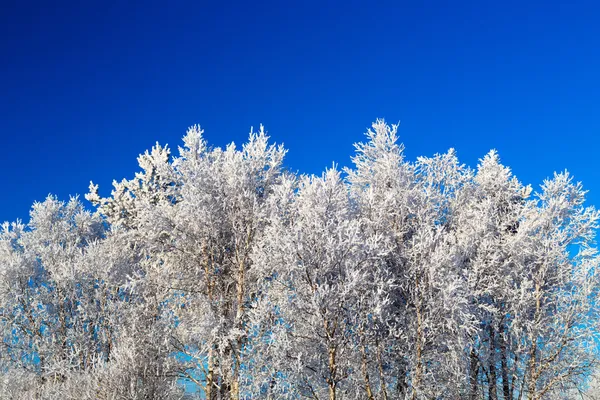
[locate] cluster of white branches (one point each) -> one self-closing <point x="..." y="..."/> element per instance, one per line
<point x="217" y="274"/>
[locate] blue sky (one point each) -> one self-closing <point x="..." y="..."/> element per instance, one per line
<point x="86" y="86"/>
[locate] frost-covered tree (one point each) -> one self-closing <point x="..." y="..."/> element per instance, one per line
<point x="326" y="289"/>
<point x="48" y="293"/>
<point x="198" y="219"/>
<point x="409" y="207"/>
<point x="217" y="274"/>
<point x="530" y="267"/>
<point x="66" y="306"/>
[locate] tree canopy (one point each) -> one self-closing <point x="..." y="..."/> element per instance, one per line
<point x="219" y="274"/>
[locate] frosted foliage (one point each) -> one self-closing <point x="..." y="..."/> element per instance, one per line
<point x="217" y="274"/>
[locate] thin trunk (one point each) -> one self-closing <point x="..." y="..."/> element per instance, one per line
<point x="224" y="358"/>
<point x="514" y="377"/>
<point x="235" y="388"/>
<point x="211" y="375"/>
<point x="473" y="374"/>
<point x="533" y="375"/>
<point x="493" y="392"/>
<point x="418" y="345"/>
<point x="365" y="372"/>
<point x="241" y="259"/>
<point x="532" y="381"/>
<point x="62" y="324"/>
<point x="235" y="385"/>
<point x="332" y="379"/>
<point x="381" y="374"/>
<point x="506" y="392"/>
<point x="106" y="324"/>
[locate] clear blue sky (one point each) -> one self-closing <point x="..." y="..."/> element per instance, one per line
<point x="86" y="86"/>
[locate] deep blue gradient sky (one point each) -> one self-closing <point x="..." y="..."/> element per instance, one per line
<point x="85" y="87"/>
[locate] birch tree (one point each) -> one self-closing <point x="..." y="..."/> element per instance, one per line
<point x="218" y="274"/>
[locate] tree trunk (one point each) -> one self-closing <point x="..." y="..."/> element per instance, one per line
<point x="493" y="392"/>
<point x="365" y="372"/>
<point x="210" y="376"/>
<point x="381" y="374"/>
<point x="506" y="392"/>
<point x="532" y="369"/>
<point x="211" y="379"/>
<point x="473" y="375"/>
<point x="418" y="345"/>
<point x="332" y="379"/>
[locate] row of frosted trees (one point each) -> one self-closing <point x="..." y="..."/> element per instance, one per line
<point x="217" y="274"/>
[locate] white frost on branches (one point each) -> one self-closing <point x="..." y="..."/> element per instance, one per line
<point x="218" y="274"/>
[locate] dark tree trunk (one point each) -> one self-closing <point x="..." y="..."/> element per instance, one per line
<point x="473" y="375"/>
<point x="506" y="387"/>
<point x="493" y="393"/>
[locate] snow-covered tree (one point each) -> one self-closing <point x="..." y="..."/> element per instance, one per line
<point x="217" y="274"/>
